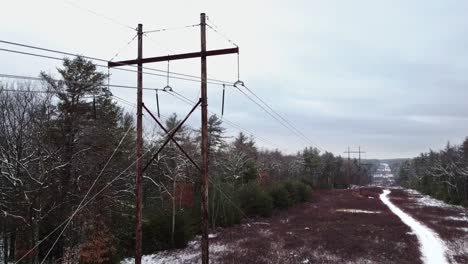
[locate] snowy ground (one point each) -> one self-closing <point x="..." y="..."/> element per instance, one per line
<point x="449" y="221"/>
<point x="191" y="254"/>
<point x="341" y="226"/>
<point x="433" y="249"/>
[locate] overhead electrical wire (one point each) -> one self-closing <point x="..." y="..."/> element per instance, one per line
<point x="88" y="192"/>
<point x="276" y="115"/>
<point x="215" y="28"/>
<point x="186" y="100"/>
<point x="84" y="205"/>
<point x="171" y="28"/>
<point x="267" y="108"/>
<point x="124" y="47"/>
<point x="99" y="15"/>
<point x="121" y="86"/>
<point x="193" y="77"/>
<point x="262" y="104"/>
<point x="40" y="79"/>
<point x="270" y="114"/>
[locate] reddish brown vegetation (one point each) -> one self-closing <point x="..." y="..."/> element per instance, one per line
<point x="318" y="233"/>
<point x="99" y="246"/>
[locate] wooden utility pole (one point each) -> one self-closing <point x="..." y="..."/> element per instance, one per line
<point x="139" y="147"/>
<point x="204" y="143"/>
<point x="349" y="151"/>
<point x="354" y="151"/>
<point x="203" y="54"/>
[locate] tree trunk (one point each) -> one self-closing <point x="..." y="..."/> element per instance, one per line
<point x="5" y="245"/>
<point x="173" y="210"/>
<point x="12" y="244"/>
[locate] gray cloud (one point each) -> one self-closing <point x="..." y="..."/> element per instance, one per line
<point x="389" y="76"/>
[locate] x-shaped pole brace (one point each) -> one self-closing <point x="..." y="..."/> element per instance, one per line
<point x="170" y="136"/>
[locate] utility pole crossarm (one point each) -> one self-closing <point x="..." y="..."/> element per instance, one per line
<point x="202" y="54"/>
<point x="175" y="57"/>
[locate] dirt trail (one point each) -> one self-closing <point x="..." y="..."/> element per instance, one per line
<point x="432" y="248"/>
<point x="449" y="221"/>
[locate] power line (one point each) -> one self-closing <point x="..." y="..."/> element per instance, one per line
<point x="193" y="77"/>
<point x="216" y="29"/>
<point x="87" y="202"/>
<point x="283" y="122"/>
<point x="124" y="47"/>
<point x="105" y="66"/>
<point x="281" y="117"/>
<point x="222" y="35"/>
<point x="40" y="79"/>
<point x="99" y="15"/>
<point x="272" y="115"/>
<point x="171" y="28"/>
<point x="88" y="192"/>
<point x="232" y="124"/>
<point x="80" y="208"/>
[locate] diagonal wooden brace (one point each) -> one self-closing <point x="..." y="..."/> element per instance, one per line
<point x="171" y="135"/>
<point x="171" y="138"/>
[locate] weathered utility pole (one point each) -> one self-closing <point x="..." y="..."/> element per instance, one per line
<point x="139" y="147"/>
<point x="204" y="143"/>
<point x="203" y="54"/>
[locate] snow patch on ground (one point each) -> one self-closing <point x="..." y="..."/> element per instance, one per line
<point x="260" y="223"/>
<point x="464" y="229"/>
<point x="265" y="232"/>
<point x="357" y="211"/>
<point x="432" y="248"/>
<point x="191" y="254"/>
<point x="426" y="200"/>
<point x="454" y="218"/>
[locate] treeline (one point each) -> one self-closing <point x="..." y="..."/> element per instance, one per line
<point x="442" y="174"/>
<point x="67" y="159"/>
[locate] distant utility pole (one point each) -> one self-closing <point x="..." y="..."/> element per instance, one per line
<point x="349" y="151"/>
<point x="354" y="151"/>
<point x="203" y="54"/>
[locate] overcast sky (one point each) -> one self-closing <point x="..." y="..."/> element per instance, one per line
<point x="389" y="76"/>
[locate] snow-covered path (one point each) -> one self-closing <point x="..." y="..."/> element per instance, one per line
<point x="431" y="246"/>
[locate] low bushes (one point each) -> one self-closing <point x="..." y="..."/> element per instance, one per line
<point x="288" y="193"/>
<point x="224" y="205"/>
<point x="157" y="231"/>
<point x="255" y="201"/>
<point x="229" y="203"/>
<point x="280" y="196"/>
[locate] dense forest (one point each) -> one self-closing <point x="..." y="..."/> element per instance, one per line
<point x="442" y="174"/>
<point x="67" y="156"/>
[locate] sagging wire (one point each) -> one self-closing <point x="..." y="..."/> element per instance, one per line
<point x="215" y="28"/>
<point x="115" y="56"/>
<point x="124" y="47"/>
<point x="171" y="28"/>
